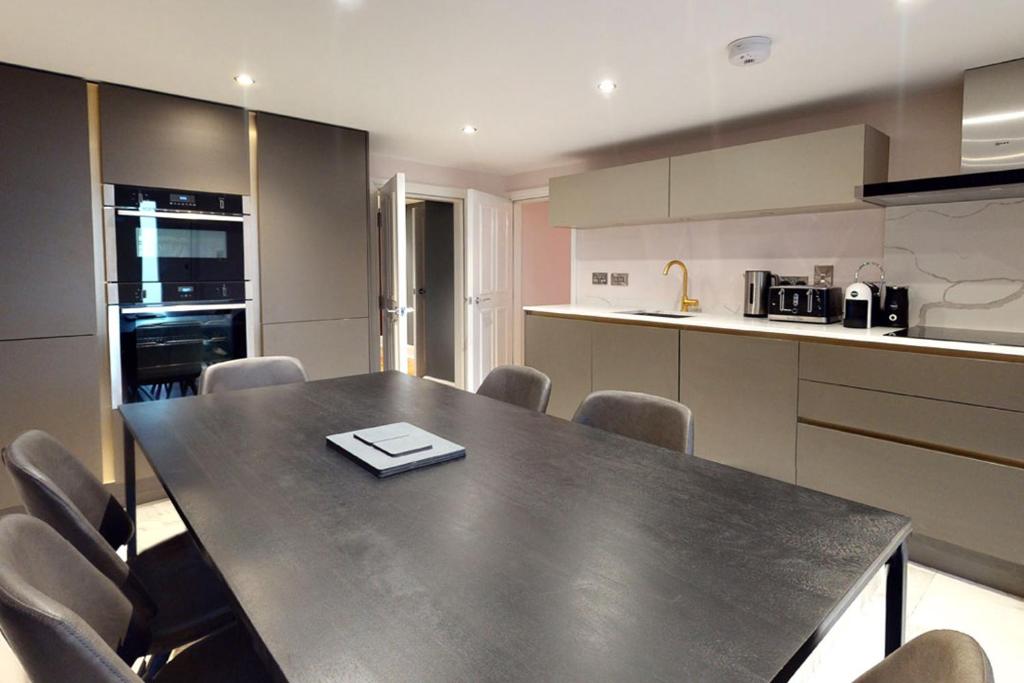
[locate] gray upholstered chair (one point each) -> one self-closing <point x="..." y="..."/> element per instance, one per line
<point x="934" y="657"/>
<point x="643" y="417"/>
<point x="250" y="373"/>
<point x="519" y="385"/>
<point x="66" y="621"/>
<point x="170" y="581"/>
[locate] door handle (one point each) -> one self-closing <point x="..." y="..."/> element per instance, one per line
<point x="399" y="311"/>
<point x="478" y="299"/>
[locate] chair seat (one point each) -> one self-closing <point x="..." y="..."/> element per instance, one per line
<point x="226" y="656"/>
<point x="191" y="600"/>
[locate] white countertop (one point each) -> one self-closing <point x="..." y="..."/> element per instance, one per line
<point x="763" y="326"/>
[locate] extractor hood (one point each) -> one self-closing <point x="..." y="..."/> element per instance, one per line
<point x="991" y="147"/>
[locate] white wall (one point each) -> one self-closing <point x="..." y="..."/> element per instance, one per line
<point x="717" y="254"/>
<point x="382" y="168"/>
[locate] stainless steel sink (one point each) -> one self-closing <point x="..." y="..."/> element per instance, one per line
<point x="657" y="314"/>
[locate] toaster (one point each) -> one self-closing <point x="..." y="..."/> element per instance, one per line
<point x="819" y="304"/>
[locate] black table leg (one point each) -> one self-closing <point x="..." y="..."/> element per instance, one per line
<point x="129" y="490"/>
<point x="896" y="599"/>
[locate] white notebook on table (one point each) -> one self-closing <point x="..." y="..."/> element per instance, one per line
<point x="393" y="448"/>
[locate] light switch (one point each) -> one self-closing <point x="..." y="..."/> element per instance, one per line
<point x="599" y="278"/>
<point x="620" y="279"/>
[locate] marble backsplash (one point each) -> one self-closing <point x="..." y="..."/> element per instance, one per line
<point x="964" y="262"/>
<point x="717" y="254"/>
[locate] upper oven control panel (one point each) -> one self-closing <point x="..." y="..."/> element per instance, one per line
<point x="158" y="199"/>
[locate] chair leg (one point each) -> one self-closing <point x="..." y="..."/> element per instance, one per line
<point x="153" y="666"/>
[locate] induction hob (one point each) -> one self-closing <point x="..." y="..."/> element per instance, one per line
<point x="958" y="335"/>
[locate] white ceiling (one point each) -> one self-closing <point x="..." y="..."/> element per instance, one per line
<point x="412" y="72"/>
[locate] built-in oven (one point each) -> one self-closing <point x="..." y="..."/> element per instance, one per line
<point x="179" y="288"/>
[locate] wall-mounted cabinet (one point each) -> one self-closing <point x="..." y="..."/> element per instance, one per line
<point x="636" y="193"/>
<point x="802" y="173"/>
<point x="47" y="268"/>
<point x="157" y="140"/>
<point x="812" y="172"/>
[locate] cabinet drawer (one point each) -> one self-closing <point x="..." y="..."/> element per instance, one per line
<point x="992" y="383"/>
<point x="974" y="429"/>
<point x="635" y="358"/>
<point x="970" y="503"/>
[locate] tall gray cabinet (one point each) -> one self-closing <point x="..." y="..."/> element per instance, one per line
<point x="313" y="219"/>
<point x="49" y="350"/>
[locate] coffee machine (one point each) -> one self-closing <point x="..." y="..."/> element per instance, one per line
<point x="863" y="301"/>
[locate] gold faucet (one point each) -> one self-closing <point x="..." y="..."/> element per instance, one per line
<point x="685" y="302"/>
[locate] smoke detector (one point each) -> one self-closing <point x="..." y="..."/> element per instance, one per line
<point x="750" y="50"/>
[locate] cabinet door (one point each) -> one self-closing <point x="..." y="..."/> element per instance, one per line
<point x="815" y="171"/>
<point x="313" y="220"/>
<point x="636" y="358"/>
<point x="47" y="271"/>
<point x="560" y="348"/>
<point x="623" y="195"/>
<point x="327" y="348"/>
<point x="53" y="385"/>
<point x="743" y="394"/>
<point x="158" y="140"/>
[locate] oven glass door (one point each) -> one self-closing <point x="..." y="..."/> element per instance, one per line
<point x="155" y="246"/>
<point x="165" y="349"/>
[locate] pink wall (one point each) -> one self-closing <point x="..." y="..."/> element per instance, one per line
<point x="547" y="255"/>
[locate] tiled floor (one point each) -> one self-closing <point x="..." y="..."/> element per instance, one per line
<point x="935" y="600"/>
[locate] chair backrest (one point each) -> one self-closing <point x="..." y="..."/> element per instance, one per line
<point x="936" y="657"/>
<point x="55" y="487"/>
<point x="250" y="373"/>
<point x="64" y="620"/>
<point x="519" y="385"/>
<point x="653" y="419"/>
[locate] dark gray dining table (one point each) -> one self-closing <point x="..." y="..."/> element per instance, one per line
<point x="552" y="551"/>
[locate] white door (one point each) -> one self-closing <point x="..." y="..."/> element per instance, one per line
<point x="490" y="284"/>
<point x="394" y="300"/>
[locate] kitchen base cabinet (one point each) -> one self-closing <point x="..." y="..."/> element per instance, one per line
<point x="53" y="385"/>
<point x="561" y="349"/>
<point x="327" y="348"/>
<point x="964" y="502"/>
<point x="743" y="394"/>
<point x="636" y="358"/>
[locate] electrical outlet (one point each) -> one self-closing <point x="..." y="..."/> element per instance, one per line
<point x="620" y="279"/>
<point x="599" y="278"/>
<point x="823" y="275"/>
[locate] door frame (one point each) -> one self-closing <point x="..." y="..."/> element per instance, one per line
<point x="457" y="198"/>
<point x="520" y="197"/>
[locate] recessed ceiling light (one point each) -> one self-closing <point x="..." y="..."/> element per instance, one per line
<point x="469" y="129"/>
<point x="244" y="80"/>
<point x="607" y="86"/>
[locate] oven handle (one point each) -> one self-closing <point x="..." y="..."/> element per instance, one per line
<point x="183" y="216"/>
<point x="184" y="309"/>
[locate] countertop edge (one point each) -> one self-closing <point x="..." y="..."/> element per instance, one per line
<point x="814" y="334"/>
